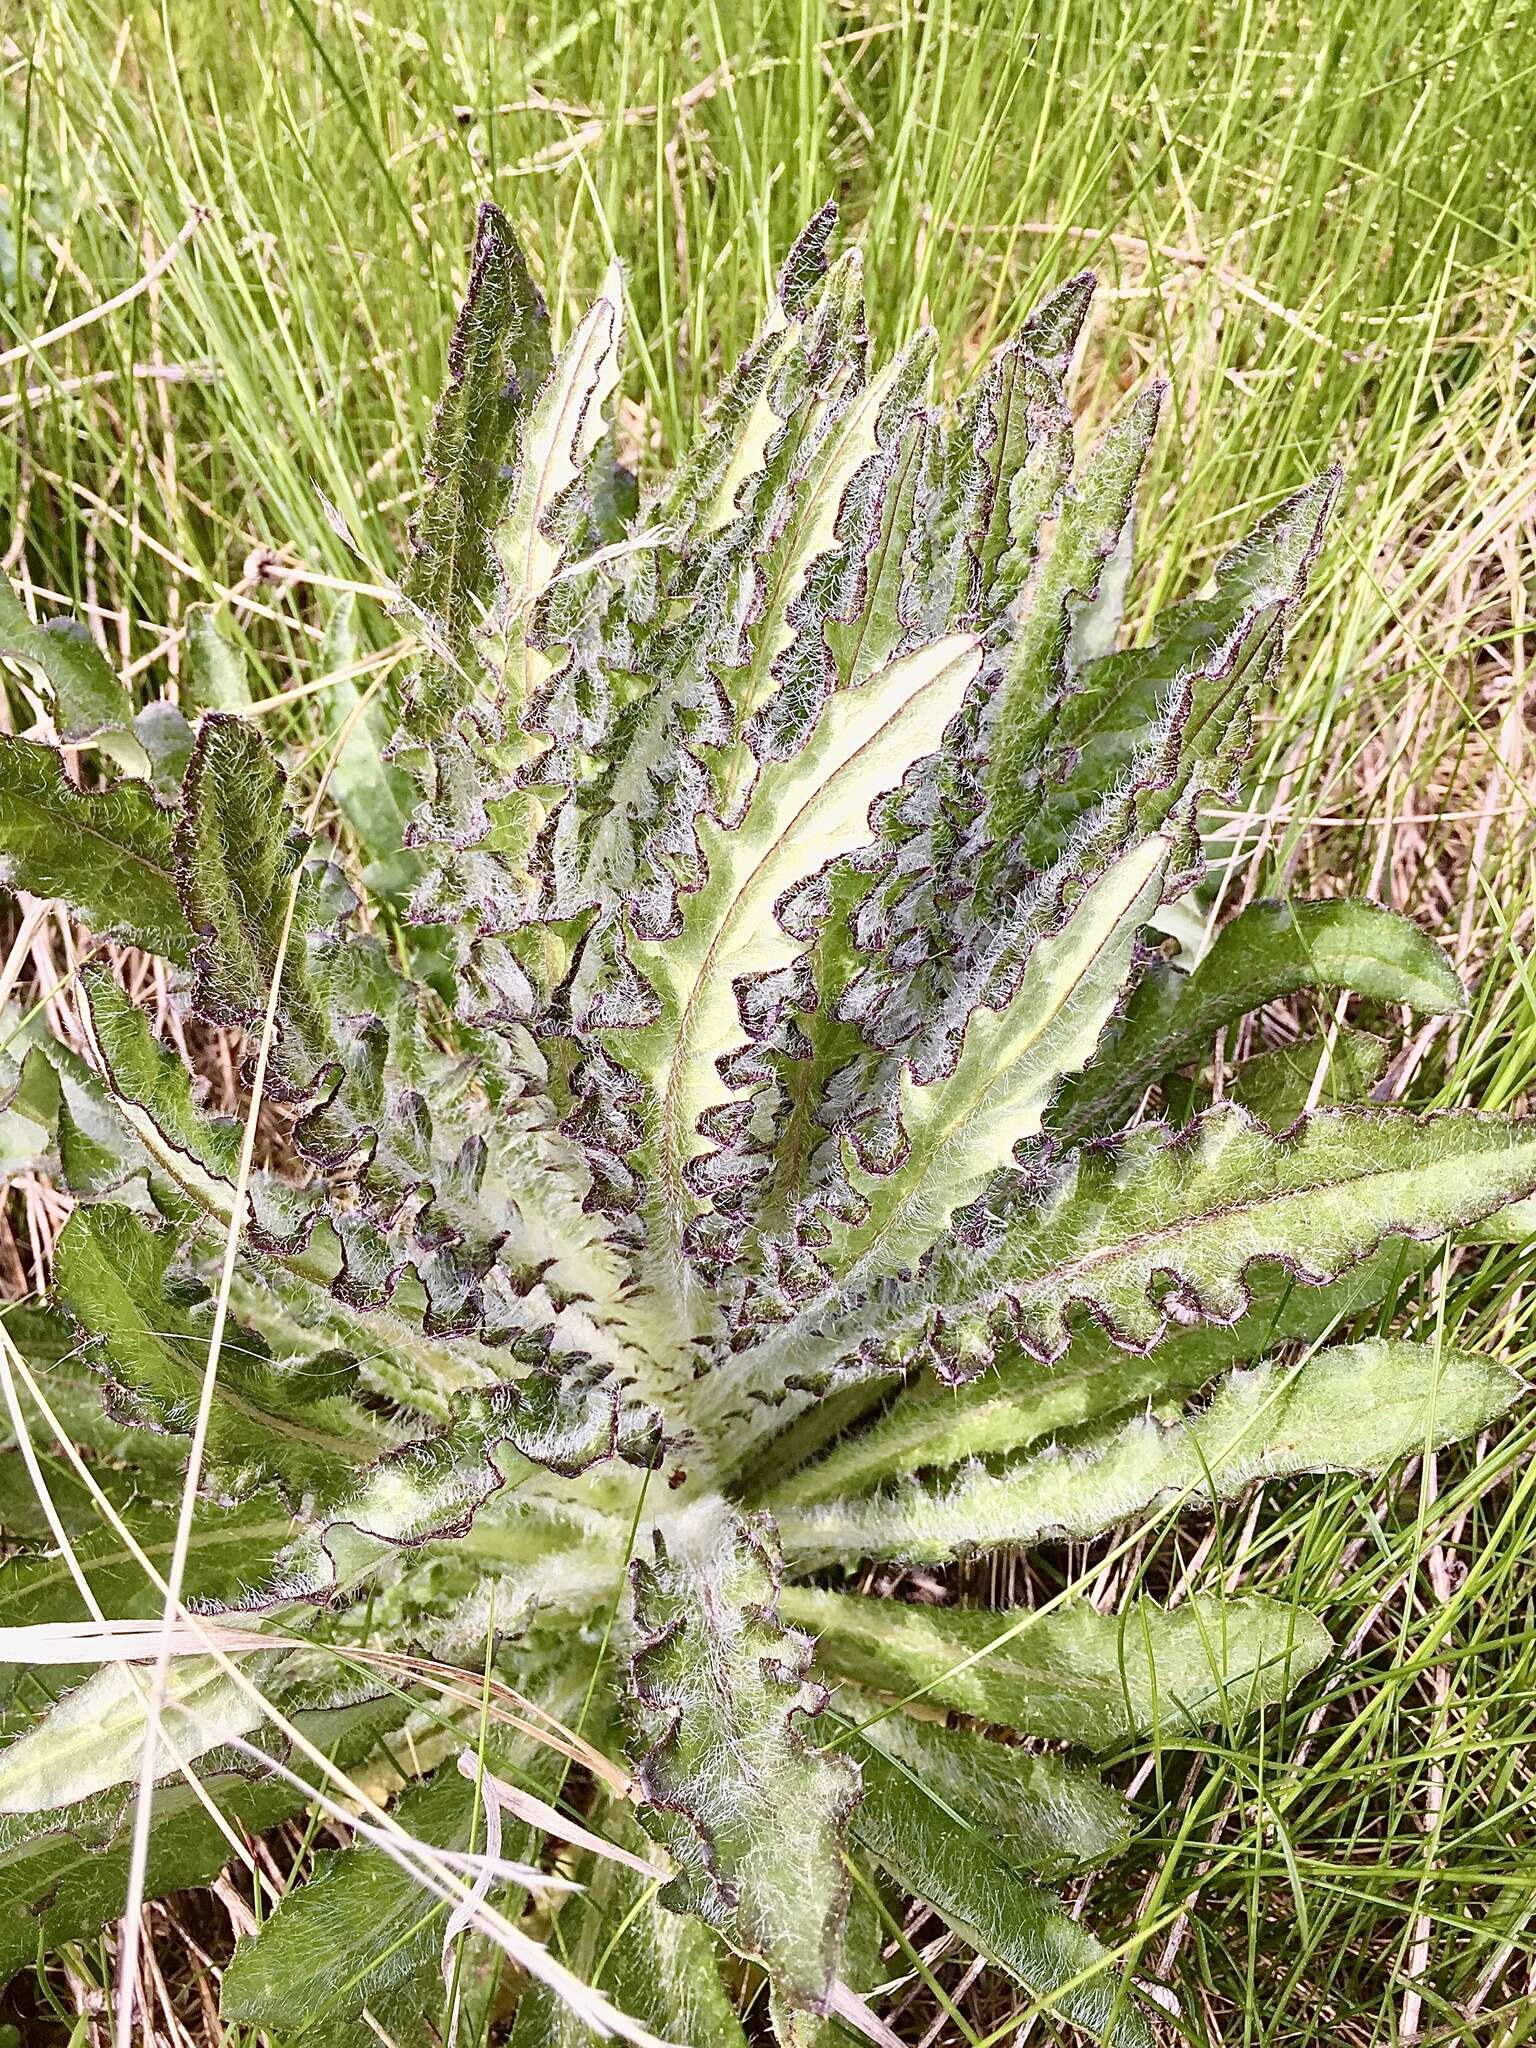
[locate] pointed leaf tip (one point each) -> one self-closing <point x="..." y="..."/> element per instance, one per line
<point x="1051" y="332"/>
<point x="806" y="264"/>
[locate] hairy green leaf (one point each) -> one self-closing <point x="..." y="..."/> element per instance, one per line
<point x="1356" y="1408"/>
<point x="1200" y="663"/>
<point x="363" y="1930"/>
<point x="803" y="813"/>
<point x="94" y="1737"/>
<point x="498" y="359"/>
<point x="752" y="1811"/>
<point x="1052" y="1816"/>
<point x="1286" y="1082"/>
<point x="682" y="1118"/>
<point x="230" y="1553"/>
<point x="65" y="1874"/>
<point x="104" y="852"/>
<point x="217" y="678"/>
<point x="965" y="1874"/>
<point x="1017" y="1402"/>
<point x="238" y="854"/>
<point x="1070" y="1674"/>
<point x="662" y="1968"/>
<point x="963" y="1127"/>
<point x="1268" y="951"/>
<point x="292" y="1421"/>
<point x="1096" y="514"/>
<point x="564" y="426"/>
<point x="53" y="1891"/>
<point x="1169" y="1228"/>
<point x="87" y="701"/>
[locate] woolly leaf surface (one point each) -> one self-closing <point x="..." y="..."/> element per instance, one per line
<point x="732" y="1782"/>
<point x="1070" y="1673"/>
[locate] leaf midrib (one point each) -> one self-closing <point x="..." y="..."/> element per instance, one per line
<point x="85" y="828"/>
<point x="674" y="1142"/>
<point x="240" y="1536"/>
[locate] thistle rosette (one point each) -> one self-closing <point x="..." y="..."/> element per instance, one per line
<point x="711" y="1022"/>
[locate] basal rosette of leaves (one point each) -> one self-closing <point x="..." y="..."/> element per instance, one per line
<point x="714" y="1050"/>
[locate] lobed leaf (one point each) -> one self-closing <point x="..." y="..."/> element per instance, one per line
<point x="1016" y="1402"/>
<point x="1095" y="515"/>
<point x="1198" y="671"/>
<point x="498" y="359"/>
<point x="753" y="1813"/>
<point x="564" y="425"/>
<point x="1356" y="1408"/>
<point x="1166" y="1228"/>
<point x="432" y="1487"/>
<point x="803" y="813"/>
<point x="962" y="1127"/>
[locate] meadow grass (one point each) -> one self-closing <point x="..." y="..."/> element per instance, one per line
<point x="1319" y="224"/>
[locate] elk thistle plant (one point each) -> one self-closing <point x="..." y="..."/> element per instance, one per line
<point x="705" y="1151"/>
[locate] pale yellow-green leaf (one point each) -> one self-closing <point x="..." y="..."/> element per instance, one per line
<point x="804" y="812"/>
<point x="94" y="1738"/>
